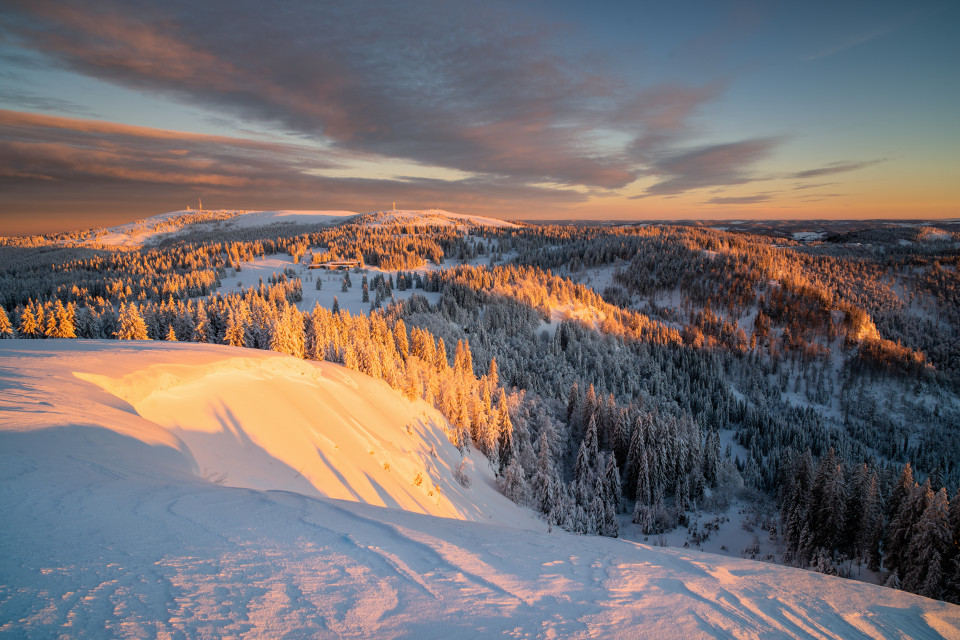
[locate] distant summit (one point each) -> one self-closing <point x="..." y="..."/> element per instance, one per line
<point x="430" y="217"/>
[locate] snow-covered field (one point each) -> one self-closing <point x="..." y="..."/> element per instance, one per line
<point x="154" y="490"/>
<point x="253" y="271"/>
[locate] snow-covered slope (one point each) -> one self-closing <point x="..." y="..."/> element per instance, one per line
<point x="430" y="217"/>
<point x="108" y="527"/>
<point x="136" y="234"/>
<point x="263" y="420"/>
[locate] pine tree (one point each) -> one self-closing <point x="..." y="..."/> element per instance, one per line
<point x="611" y="525"/>
<point x="904" y="487"/>
<point x="462" y="360"/>
<point x="50" y="324"/>
<point x="955" y="521"/>
<point x="171" y="335"/>
<point x="132" y="326"/>
<point x="6" y="329"/>
<point x="400" y="338"/>
<point x="64" y="321"/>
<point x="907" y="511"/>
<point x="794" y="507"/>
<point x="441" y="363"/>
<point x="29" y="327"/>
<point x="288" y="333"/>
<point x="928" y="546"/>
<point x="952" y="559"/>
<point x="512" y="482"/>
<point x="493" y="374"/>
<point x="588" y="409"/>
<point x="612" y="485"/>
<point x="587" y="455"/>
<point x="871" y="527"/>
<point x="201" y="324"/>
<point x="829" y="505"/>
<point x="235" y="333"/>
<point x="573" y="403"/>
<point x="854" y="513"/>
<point x="635" y="452"/>
<point x="544" y="483"/>
<point x="504" y="431"/>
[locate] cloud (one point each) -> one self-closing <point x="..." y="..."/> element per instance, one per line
<point x="55" y="164"/>
<point x="38" y="102"/>
<point x="815" y="185"/>
<point x="465" y="86"/>
<point x="740" y="199"/>
<point x="65" y="149"/>
<point x="709" y="166"/>
<point x="836" y="167"/>
<point x="847" y="43"/>
<point x="457" y="86"/>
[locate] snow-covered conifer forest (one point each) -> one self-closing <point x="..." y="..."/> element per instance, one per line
<point x="772" y="392"/>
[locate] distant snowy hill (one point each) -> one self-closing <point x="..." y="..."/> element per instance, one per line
<point x="431" y="217"/>
<point x="182" y="490"/>
<point x="164" y="225"/>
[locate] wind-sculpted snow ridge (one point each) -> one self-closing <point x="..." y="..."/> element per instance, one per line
<point x="117" y="519"/>
<point x="262" y="420"/>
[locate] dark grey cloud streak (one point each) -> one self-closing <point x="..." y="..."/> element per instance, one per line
<point x="709" y="166"/>
<point x="449" y="84"/>
<point x="740" y="199"/>
<point x="836" y="167"/>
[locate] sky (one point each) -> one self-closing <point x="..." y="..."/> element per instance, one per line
<point x="543" y="109"/>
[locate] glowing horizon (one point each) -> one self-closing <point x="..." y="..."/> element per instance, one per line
<point x="547" y="111"/>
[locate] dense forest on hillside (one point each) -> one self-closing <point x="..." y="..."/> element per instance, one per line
<point x="600" y="368"/>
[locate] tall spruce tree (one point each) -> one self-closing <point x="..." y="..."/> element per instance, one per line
<point x="902" y="528"/>
<point x="929" y="546"/>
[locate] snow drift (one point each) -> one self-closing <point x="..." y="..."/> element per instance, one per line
<point x="262" y="420"/>
<point x="169" y="491"/>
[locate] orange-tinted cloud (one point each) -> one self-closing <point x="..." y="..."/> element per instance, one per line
<point x="456" y="86"/>
<point x="53" y="164"/>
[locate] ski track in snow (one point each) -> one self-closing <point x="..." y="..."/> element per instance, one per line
<point x="106" y="530"/>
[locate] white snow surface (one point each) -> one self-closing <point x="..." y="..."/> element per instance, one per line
<point x="116" y="520"/>
<point x="432" y="217"/>
<point x="136" y="234"/>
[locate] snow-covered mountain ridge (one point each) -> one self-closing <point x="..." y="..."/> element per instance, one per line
<point x="108" y="526"/>
<point x="133" y="235"/>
